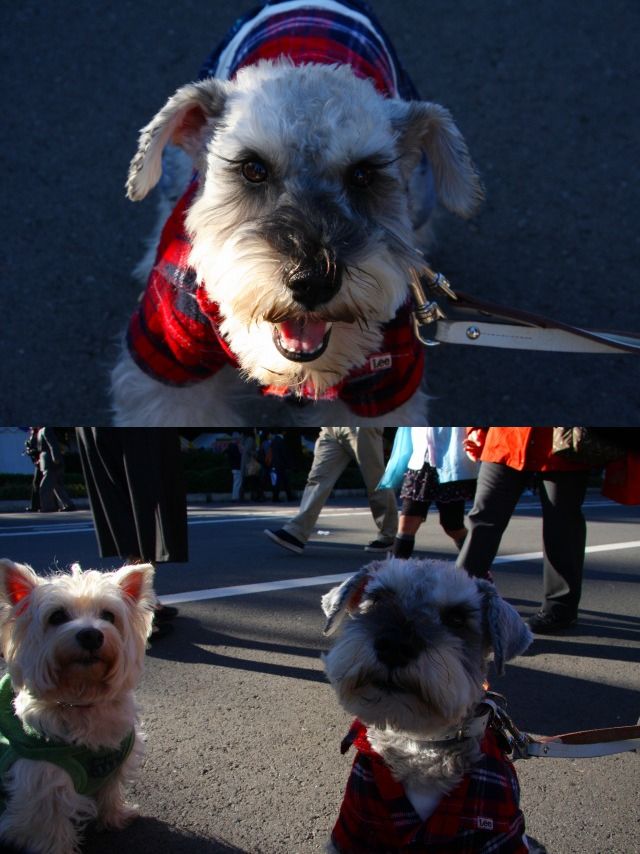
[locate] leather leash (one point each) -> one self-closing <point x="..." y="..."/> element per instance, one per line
<point x="453" y="317"/>
<point x="571" y="745"/>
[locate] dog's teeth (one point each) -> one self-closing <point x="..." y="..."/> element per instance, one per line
<point x="303" y="336"/>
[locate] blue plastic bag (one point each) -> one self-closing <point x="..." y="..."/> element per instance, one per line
<point x="399" y="459"/>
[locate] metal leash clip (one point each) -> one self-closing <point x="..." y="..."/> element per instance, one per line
<point x="518" y="742"/>
<point x="427" y="312"/>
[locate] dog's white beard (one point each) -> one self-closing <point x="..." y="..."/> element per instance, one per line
<point x="423" y="704"/>
<point x="245" y="280"/>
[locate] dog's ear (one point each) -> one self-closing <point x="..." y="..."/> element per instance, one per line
<point x="185" y="120"/>
<point x="509" y="635"/>
<point x="136" y="582"/>
<point x="344" y="598"/>
<point x="17" y="581"/>
<point x="428" y="127"/>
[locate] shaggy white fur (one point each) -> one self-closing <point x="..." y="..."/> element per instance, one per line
<point x="74" y="645"/>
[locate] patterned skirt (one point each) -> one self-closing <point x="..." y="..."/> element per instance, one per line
<point x="424" y="485"/>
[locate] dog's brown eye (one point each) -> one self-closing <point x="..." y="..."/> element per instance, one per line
<point x="454" y="618"/>
<point x="108" y="616"/>
<point x="255" y="171"/>
<point x="58" y="617"/>
<point x="361" y="175"/>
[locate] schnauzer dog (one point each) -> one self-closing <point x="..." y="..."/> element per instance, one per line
<point x="430" y="773"/>
<point x="74" y="646"/>
<point x="303" y="165"/>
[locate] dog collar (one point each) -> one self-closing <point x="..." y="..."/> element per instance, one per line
<point x="473" y="728"/>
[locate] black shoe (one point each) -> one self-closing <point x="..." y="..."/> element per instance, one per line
<point x="379" y="545"/>
<point x="163" y="613"/>
<point x="159" y="630"/>
<point x="286" y="540"/>
<point x="548" y="624"/>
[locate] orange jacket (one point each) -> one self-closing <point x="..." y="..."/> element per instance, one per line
<point x="524" y="448"/>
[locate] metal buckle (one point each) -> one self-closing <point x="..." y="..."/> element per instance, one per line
<point x="428" y="312"/>
<point x="517" y="741"/>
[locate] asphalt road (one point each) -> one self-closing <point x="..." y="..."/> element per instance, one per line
<point x="244" y="732"/>
<point x="543" y="92"/>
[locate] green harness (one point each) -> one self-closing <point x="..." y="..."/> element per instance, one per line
<point x="88" y="769"/>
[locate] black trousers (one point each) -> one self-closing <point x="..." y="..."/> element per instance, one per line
<point x="136" y="489"/>
<point x="563" y="529"/>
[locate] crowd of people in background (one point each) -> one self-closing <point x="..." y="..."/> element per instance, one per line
<point x="137" y="492"/>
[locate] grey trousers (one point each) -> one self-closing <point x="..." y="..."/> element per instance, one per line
<point x="334" y="449"/>
<point x="563" y="529"/>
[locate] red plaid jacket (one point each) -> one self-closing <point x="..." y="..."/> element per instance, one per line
<point x="480" y="816"/>
<point x="174" y="334"/>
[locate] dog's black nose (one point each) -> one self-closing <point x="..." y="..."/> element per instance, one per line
<point x="312" y="286"/>
<point x="397" y="649"/>
<point x="90" y="639"/>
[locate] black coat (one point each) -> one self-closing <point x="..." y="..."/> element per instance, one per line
<point x="136" y="488"/>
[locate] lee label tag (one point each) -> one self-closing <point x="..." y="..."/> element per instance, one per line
<point x="381" y="362"/>
<point x="484" y="823"/>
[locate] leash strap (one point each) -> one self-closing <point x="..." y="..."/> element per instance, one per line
<point x="453" y="317"/>
<point x="571" y="745"/>
<point x="588" y="743"/>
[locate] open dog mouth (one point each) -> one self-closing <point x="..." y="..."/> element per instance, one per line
<point x="87" y="660"/>
<point x="301" y="339"/>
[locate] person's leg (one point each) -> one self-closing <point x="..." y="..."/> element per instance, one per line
<point x="498" y="490"/>
<point x="236" y="475"/>
<point x="105" y="478"/>
<point x="368" y="450"/>
<point x="412" y="515"/>
<point x="330" y="459"/>
<point x="48" y="503"/>
<point x="564" y="533"/>
<point x="63" y="499"/>
<point x="452" y="520"/>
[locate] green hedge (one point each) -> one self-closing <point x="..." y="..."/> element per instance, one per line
<point x="204" y="471"/>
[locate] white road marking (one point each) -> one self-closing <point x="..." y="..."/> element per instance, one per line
<point x="320" y="580"/>
<point x="224" y="517"/>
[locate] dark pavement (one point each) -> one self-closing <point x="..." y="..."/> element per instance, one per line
<point x="244" y="732"/>
<point x="545" y="94"/>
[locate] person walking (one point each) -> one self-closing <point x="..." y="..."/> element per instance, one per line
<point x="31" y="451"/>
<point x="280" y="463"/>
<point x="250" y="467"/>
<point x="509" y="456"/>
<point x="335" y="447"/>
<point x="234" y="456"/>
<point x="138" y="499"/>
<point x="52" y="491"/>
<point x="439" y="471"/>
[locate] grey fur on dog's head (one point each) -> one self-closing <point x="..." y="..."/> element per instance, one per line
<point x="413" y="657"/>
<point x="302" y="225"/>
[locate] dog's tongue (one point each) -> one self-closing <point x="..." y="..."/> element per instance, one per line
<point x="302" y="335"/>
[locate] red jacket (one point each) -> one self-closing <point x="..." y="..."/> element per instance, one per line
<point x="523" y="448"/>
<point x="480" y="815"/>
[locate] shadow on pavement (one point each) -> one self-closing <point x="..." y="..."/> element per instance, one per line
<point x="148" y="835"/>
<point x="186" y="646"/>
<point x="532" y="701"/>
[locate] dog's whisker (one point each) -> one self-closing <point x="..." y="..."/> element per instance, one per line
<point x="412" y="252"/>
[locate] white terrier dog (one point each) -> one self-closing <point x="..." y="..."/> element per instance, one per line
<point x="431" y="773"/>
<point x="74" y="645"/>
<point x="281" y="277"/>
